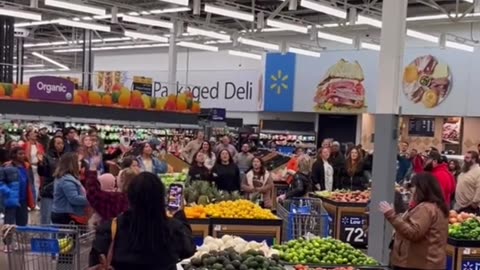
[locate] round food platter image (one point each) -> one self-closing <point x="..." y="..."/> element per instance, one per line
<point x="427" y="81"/>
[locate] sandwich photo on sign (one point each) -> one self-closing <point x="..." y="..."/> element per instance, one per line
<point x="342" y="89"/>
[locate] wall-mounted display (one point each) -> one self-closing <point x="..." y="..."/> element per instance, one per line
<point x="421" y="127"/>
<point x="451" y="130"/>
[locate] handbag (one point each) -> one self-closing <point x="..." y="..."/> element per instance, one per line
<point x="106" y="262"/>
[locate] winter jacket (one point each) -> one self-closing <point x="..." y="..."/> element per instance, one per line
<point x="69" y="196"/>
<point x="11" y="185"/>
<point x="420" y="237"/>
<point x="47" y="169"/>
<point x="418" y="164"/>
<point x="357" y="181"/>
<point x="227" y="177"/>
<point x="300" y="186"/>
<point x="446" y="181"/>
<point x="27" y="146"/>
<point x="158" y="166"/>
<point x="180" y="246"/>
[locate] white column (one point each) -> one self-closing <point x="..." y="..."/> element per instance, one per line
<point x="172" y="60"/>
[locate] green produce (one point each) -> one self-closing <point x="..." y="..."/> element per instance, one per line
<point x="202" y="192"/>
<point x="229" y="259"/>
<point x="468" y="230"/>
<point x="322" y="251"/>
<point x="170" y="178"/>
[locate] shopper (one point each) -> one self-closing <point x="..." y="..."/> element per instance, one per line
<point x="421" y="233"/>
<point x="418" y="161"/>
<point x="125" y="178"/>
<point x="71" y="140"/>
<point x="301" y="184"/>
<point x="258" y="184"/>
<point x="467" y="194"/>
<point x="69" y="196"/>
<point x="454" y="168"/>
<point x="198" y="171"/>
<point x="445" y="179"/>
<point x="292" y="164"/>
<point x="16" y="187"/>
<point x="174" y="147"/>
<point x="210" y="157"/>
<point x="353" y="176"/>
<point x="337" y="159"/>
<point x="129" y="162"/>
<point x="404" y="163"/>
<point x="192" y="147"/>
<point x="145" y="238"/>
<point x="46" y="168"/>
<point x="148" y="162"/>
<point x="226" y="174"/>
<point x="96" y="139"/>
<point x="322" y="171"/>
<point x="114" y="157"/>
<point x="244" y="159"/>
<point x="90" y="152"/>
<point x="33" y="152"/>
<point x="43" y="137"/>
<point x="226" y="145"/>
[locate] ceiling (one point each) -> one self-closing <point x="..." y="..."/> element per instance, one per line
<point x="68" y="38"/>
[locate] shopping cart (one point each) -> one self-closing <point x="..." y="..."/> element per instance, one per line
<point x="302" y="216"/>
<point x="52" y="247"/>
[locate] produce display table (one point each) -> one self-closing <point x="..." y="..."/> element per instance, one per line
<point x="200" y="229"/>
<point x="349" y="222"/>
<point x="463" y="254"/>
<point x="249" y="229"/>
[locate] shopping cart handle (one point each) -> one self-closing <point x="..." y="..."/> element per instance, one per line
<point x="37" y="229"/>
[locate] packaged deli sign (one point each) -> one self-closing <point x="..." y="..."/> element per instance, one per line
<point x="51" y="88"/>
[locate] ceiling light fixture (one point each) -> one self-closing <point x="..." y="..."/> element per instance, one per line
<point x="139" y="35"/>
<point x="31" y="66"/>
<point x="438" y="17"/>
<point x="40" y="70"/>
<point x="370" y="21"/>
<point x="229" y="12"/>
<point x="20" y="14"/>
<point x="336" y="12"/>
<point x="336" y="38"/>
<point x="177" y="2"/>
<point x="149" y="22"/>
<point x="89" y="26"/>
<point x="26" y="24"/>
<point x="422" y="36"/>
<point x="207" y="33"/>
<point x="369" y="46"/>
<point x="169" y="10"/>
<point x="198" y="46"/>
<point x="245" y="54"/>
<point x="110" y="48"/>
<point x="77" y="7"/>
<point x="287" y="26"/>
<point x="259" y="44"/>
<point x="459" y="46"/>
<point x="304" y="52"/>
<point x="41" y="56"/>
<point x="469" y="1"/>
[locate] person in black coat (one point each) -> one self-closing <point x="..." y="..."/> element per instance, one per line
<point x="146" y="238"/>
<point x="353" y="175"/>
<point x="301" y="184"/>
<point x="225" y="173"/>
<point x="322" y="171"/>
<point x="197" y="170"/>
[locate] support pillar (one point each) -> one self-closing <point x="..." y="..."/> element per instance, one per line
<point x="7" y="41"/>
<point x="87" y="60"/>
<point x="172" y="60"/>
<point x="386" y="124"/>
<point x="20" y="60"/>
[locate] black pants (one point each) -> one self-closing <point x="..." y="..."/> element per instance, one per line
<point x="17" y="215"/>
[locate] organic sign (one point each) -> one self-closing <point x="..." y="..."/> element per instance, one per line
<point x="51" y="88"/>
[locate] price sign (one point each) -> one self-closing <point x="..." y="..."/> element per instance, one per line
<point x="352" y="230"/>
<point x="40" y="245"/>
<point x="471" y="264"/>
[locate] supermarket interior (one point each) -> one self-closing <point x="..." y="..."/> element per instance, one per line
<point x="276" y="134"/>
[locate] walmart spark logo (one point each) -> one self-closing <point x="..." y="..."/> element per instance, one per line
<point x="279" y="82"/>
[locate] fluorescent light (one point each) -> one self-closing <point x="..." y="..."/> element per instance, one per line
<point x="139" y="35"/>
<point x="43" y="44"/>
<point x="324" y="8"/>
<point x="207" y="33"/>
<point x="149" y="22"/>
<point x="369" y="46"/>
<point x="304" y="52"/>
<point x="260" y="44"/>
<point x="76" y="19"/>
<point x="41" y="56"/>
<point x="438" y="17"/>
<point x="287" y="26"/>
<point x="229" y="12"/>
<point x="31" y="65"/>
<point x="87" y="18"/>
<point x="20" y="14"/>
<point x="422" y="36"/>
<point x="90" y="26"/>
<point x="198" y="46"/>
<point x="102" y="17"/>
<point x="177" y="2"/>
<point x="26" y="24"/>
<point x="115" y="39"/>
<point x="218" y="42"/>
<point x="459" y="46"/>
<point x="370" y="21"/>
<point x="77" y="7"/>
<point x="145" y="12"/>
<point x="121" y="47"/>
<point x="133" y="13"/>
<point x="169" y="10"/>
<point x="40" y="70"/>
<point x="469" y="1"/>
<point x="336" y="38"/>
<point x="245" y="54"/>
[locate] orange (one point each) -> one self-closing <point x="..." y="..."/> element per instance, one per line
<point x="170" y="105"/>
<point x="196" y="107"/>
<point x="2" y="91"/>
<point x="136" y="93"/>
<point x="77" y="99"/>
<point x="107" y="100"/>
<point x="19" y="93"/>
<point x="124" y="99"/>
<point x="136" y="102"/>
<point x="181" y="104"/>
<point x="94" y="98"/>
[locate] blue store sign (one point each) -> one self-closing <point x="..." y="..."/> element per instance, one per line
<point x="279" y="82"/>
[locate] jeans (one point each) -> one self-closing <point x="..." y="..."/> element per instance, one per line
<point x="36" y="183"/>
<point x="17" y="215"/>
<point x="46" y="210"/>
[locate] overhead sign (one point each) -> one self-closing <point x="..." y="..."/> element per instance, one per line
<point x="51" y="88"/>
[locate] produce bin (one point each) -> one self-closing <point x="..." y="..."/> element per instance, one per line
<point x="200" y="229"/>
<point x="463" y="254"/>
<point x="249" y="229"/>
<point x="349" y="222"/>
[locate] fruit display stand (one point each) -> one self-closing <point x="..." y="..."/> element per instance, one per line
<point x="177" y="164"/>
<point x="463" y="254"/>
<point x="258" y="230"/>
<point x="200" y="229"/>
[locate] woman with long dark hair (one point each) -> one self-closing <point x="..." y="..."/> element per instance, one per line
<point x="226" y="173"/>
<point x="198" y="170"/>
<point x="258" y="183"/>
<point x="421" y="233"/>
<point x="145" y="237"/>
<point x="207" y="151"/>
<point x="353" y="176"/>
<point x="148" y="162"/>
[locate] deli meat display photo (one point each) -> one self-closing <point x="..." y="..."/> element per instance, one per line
<point x="342" y="89"/>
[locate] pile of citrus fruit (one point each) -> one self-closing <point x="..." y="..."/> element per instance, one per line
<point x="197" y="211"/>
<point x="241" y="209"/>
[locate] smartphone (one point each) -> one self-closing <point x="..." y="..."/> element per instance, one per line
<point x="175" y="197"/>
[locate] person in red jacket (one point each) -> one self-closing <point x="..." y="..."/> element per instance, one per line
<point x="439" y="169"/>
<point x="418" y="161"/>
